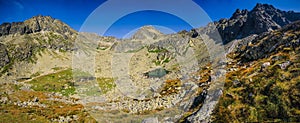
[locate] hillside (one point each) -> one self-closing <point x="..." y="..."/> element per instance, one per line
<point x="262" y="83"/>
<point x="51" y="73"/>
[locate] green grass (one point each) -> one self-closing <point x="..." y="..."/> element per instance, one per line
<point x="106" y="84"/>
<point x="57" y="68"/>
<point x="61" y="82"/>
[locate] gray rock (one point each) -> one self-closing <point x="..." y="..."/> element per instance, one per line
<point x="35" y="24"/>
<point x="284" y="65"/>
<point x="35" y="99"/>
<point x="4" y="28"/>
<point x="264" y="66"/>
<point x="4" y="59"/>
<point x="150" y="120"/>
<point x="236" y="82"/>
<point x="4" y="99"/>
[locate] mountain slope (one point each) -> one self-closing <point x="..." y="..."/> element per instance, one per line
<point x="38" y="80"/>
<point x="262" y="84"/>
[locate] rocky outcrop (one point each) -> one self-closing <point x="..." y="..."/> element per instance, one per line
<point x="262" y="18"/>
<point x="35" y="24"/>
<point x="4" y="28"/>
<point x="265" y="44"/>
<point x="4" y="59"/>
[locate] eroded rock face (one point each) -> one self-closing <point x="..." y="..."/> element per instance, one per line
<point x="4" y="29"/>
<point x="35" y="24"/>
<point x="17" y="27"/>
<point x="4" y="59"/>
<point x="262" y="18"/>
<point x="261" y="46"/>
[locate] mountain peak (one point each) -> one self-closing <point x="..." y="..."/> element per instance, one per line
<point x="239" y="13"/>
<point x="147" y="27"/>
<point x="146" y="32"/>
<point x="35" y="24"/>
<point x="260" y="6"/>
<point x="262" y="18"/>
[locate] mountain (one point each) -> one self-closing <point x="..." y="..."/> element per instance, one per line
<point x="51" y="73"/>
<point x="261" y="18"/>
<point x="35" y="24"/>
<point x="146" y="32"/>
<point x="22" y="41"/>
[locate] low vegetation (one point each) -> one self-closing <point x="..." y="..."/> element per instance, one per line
<point x="36" y="106"/>
<point x="171" y="86"/>
<point x="106" y="84"/>
<point x="61" y="82"/>
<point x="263" y="93"/>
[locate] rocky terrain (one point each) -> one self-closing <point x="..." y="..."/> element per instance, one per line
<point x="261" y="18"/>
<point x="36" y="24"/>
<point x="262" y="83"/>
<point x="51" y="73"/>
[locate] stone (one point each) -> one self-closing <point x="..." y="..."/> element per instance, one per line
<point x="4" y="99"/>
<point x="266" y="64"/>
<point x="194" y="33"/>
<point x="236" y="82"/>
<point x="150" y="120"/>
<point x="284" y="65"/>
<point x="35" y="99"/>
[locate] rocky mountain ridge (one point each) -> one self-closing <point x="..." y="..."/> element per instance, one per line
<point x="261" y="18"/>
<point x="35" y="24"/>
<point x="36" y="60"/>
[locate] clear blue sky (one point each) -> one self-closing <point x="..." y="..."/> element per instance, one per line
<point x="74" y="12"/>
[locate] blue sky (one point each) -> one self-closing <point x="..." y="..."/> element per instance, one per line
<point x="75" y="12"/>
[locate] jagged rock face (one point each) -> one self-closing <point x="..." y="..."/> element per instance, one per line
<point x="4" y="29"/>
<point x="36" y="24"/>
<point x="261" y="19"/>
<point x="17" y="27"/>
<point x="4" y="59"/>
<point x="267" y="43"/>
<point x="230" y="29"/>
<point x="291" y="15"/>
<point x="23" y="51"/>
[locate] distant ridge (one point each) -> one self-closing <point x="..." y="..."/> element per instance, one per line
<point x="146" y="32"/>
<point x="35" y="24"/>
<point x="261" y="18"/>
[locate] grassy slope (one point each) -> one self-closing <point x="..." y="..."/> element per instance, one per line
<point x="256" y="94"/>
